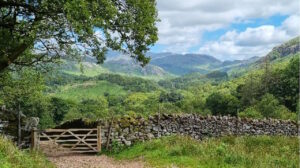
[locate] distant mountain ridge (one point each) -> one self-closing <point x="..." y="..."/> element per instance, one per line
<point x="289" y="48"/>
<point x="181" y="64"/>
<point x="130" y="67"/>
<point x="169" y="64"/>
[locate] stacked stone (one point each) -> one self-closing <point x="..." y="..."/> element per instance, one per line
<point x="128" y="130"/>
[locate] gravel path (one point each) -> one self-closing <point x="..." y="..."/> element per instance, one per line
<point x="64" y="159"/>
<point x="92" y="161"/>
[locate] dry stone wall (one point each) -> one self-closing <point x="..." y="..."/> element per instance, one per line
<point x="3" y="125"/>
<point x="128" y="130"/>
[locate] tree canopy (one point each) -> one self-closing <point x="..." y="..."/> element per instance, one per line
<point x="38" y="31"/>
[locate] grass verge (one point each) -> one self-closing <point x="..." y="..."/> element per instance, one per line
<point x="12" y="157"/>
<point x="246" y="151"/>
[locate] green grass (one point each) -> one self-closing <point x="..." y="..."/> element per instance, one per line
<point x="11" y="157"/>
<point x="89" y="70"/>
<point x="261" y="151"/>
<point x="89" y="89"/>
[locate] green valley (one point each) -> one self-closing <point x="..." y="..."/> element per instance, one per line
<point x="149" y="83"/>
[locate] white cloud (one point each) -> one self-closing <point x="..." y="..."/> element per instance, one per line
<point x="292" y="25"/>
<point x="256" y="41"/>
<point x="183" y="22"/>
<point x="178" y="39"/>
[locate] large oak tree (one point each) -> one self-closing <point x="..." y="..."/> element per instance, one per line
<point x="39" y="31"/>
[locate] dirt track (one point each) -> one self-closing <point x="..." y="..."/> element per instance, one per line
<point x="64" y="159"/>
<point x="92" y="161"/>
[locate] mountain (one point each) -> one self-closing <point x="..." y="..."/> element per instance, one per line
<point x="161" y="65"/>
<point x="279" y="54"/>
<point x="180" y="64"/>
<point x="284" y="50"/>
<point x="169" y="64"/>
<point x="228" y="66"/>
<point x="158" y="55"/>
<point x="227" y="70"/>
<point x="239" y="62"/>
<point x="130" y="67"/>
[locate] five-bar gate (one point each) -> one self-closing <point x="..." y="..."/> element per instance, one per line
<point x="68" y="140"/>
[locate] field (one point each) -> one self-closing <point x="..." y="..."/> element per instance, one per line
<point x="86" y="69"/>
<point x="261" y="151"/>
<point x="89" y="89"/>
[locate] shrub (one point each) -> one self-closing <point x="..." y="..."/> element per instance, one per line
<point x="11" y="156"/>
<point x="250" y="112"/>
<point x="268" y="105"/>
<point x="283" y="112"/>
<point x="117" y="147"/>
<point x="224" y="104"/>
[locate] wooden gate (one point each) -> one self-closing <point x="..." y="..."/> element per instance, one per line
<point x="68" y="140"/>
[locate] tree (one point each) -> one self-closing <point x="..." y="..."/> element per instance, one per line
<point x="171" y="97"/>
<point x="94" y="108"/>
<point x="38" y="31"/>
<point x="193" y="102"/>
<point x="250" y="112"/>
<point x="224" y="104"/>
<point x="217" y="75"/>
<point x="285" y="84"/>
<point x="24" y="91"/>
<point x="270" y="107"/>
<point x="135" y="102"/>
<point x="59" y="108"/>
<point x="251" y="90"/>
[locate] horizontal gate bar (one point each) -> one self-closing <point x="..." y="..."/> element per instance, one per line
<point x="73" y="140"/>
<point x="62" y="130"/>
<point x="78" y="144"/>
<point x="54" y="136"/>
<point x="84" y="151"/>
<point x="88" y="148"/>
<point x="70" y="140"/>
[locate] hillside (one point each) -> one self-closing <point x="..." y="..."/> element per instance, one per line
<point x="114" y="64"/>
<point x="285" y="50"/>
<point x="188" y="63"/>
<point x="162" y="65"/>
<point x="89" y="89"/>
<point x="130" y="67"/>
<point x="166" y="65"/>
<point x="243" y="90"/>
<point x="229" y="70"/>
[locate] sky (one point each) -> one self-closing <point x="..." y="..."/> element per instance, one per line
<point x="226" y="29"/>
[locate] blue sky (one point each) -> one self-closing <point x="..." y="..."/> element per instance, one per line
<point x="226" y="29"/>
<point x="275" y="20"/>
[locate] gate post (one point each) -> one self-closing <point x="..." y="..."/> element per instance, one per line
<point x="34" y="139"/>
<point x="99" y="138"/>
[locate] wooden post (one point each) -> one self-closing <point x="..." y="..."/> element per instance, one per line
<point x="99" y="138"/>
<point x="34" y="139"/>
<point x="19" y="127"/>
<point x="108" y="135"/>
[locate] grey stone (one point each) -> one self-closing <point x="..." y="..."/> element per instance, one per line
<point x="150" y="136"/>
<point x="127" y="143"/>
